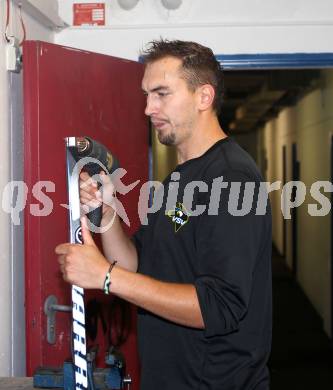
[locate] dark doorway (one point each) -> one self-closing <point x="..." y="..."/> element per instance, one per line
<point x="295" y="166"/>
<point x="284" y="180"/>
<point x="331" y="153"/>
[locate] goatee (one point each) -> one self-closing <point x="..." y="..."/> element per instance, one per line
<point x="168" y="139"/>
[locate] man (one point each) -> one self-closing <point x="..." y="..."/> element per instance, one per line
<point x="201" y="280"/>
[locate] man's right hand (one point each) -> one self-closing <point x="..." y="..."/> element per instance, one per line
<point x="92" y="197"/>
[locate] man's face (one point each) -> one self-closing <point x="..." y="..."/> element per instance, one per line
<point x="170" y="104"/>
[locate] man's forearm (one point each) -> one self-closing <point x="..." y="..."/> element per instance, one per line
<point x="118" y="246"/>
<point x="85" y="266"/>
<point x="175" y="302"/>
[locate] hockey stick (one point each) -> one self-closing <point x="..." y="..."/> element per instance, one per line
<point x="78" y="311"/>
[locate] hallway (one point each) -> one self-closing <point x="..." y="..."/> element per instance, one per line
<point x="301" y="354"/>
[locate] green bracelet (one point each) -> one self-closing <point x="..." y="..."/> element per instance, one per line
<point x="107" y="281"/>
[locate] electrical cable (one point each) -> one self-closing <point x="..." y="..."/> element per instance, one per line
<point x="7" y="21"/>
<point x="91" y="384"/>
<point x="94" y="312"/>
<point x="120" y="322"/>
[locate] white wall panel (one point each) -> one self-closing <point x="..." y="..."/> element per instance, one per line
<point x="12" y="329"/>
<point x="235" y="27"/>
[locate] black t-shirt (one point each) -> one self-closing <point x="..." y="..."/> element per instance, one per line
<point x="227" y="257"/>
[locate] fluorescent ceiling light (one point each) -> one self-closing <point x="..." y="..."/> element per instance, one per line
<point x="171" y="4"/>
<point x="127" y="4"/>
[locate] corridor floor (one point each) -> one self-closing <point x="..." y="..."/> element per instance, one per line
<point x="302" y="356"/>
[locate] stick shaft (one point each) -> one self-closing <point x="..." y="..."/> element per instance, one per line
<point x="75" y="237"/>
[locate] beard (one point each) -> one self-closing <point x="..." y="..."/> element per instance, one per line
<point x="167" y="139"/>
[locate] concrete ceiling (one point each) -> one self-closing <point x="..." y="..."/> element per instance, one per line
<point x="254" y="97"/>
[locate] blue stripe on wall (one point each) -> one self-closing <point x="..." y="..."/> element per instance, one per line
<point x="275" y="61"/>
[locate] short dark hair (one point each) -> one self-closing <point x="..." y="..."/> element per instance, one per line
<point x="199" y="65"/>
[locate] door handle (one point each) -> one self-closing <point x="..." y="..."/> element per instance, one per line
<point x="50" y="309"/>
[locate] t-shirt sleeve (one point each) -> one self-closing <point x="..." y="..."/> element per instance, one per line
<point x="228" y="248"/>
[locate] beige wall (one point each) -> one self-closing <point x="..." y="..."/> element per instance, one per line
<point x="315" y="118"/>
<point x="276" y="134"/>
<point x="310" y="124"/>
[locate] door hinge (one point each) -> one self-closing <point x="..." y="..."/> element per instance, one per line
<point x="13" y="55"/>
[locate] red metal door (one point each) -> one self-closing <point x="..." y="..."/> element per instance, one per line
<point x="70" y="92"/>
